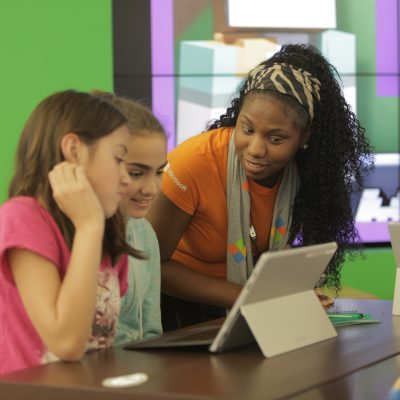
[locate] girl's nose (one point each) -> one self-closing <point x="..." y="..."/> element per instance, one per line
<point x="151" y="186"/>
<point x="125" y="178"/>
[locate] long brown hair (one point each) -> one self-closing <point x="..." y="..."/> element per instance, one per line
<point x="39" y="150"/>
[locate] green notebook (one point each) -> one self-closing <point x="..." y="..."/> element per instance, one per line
<point x="351" y="318"/>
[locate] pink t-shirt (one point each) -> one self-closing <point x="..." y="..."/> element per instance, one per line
<point x="25" y="224"/>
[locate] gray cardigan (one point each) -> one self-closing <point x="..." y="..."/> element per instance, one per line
<point x="140" y="315"/>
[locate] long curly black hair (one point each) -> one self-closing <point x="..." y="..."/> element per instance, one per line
<point x="334" y="165"/>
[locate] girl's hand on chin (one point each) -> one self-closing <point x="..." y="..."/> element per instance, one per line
<point x="74" y="195"/>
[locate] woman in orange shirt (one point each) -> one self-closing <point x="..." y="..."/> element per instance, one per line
<point x="278" y="167"/>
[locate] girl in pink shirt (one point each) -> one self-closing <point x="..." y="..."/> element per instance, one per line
<point x="63" y="264"/>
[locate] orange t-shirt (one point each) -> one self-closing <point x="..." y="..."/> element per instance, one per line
<point x="195" y="181"/>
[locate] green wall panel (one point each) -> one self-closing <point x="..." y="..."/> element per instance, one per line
<point x="372" y="273"/>
<point x="46" y="46"/>
<point x="378" y="115"/>
<point x="358" y="17"/>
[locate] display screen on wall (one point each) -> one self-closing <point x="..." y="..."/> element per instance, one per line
<point x="202" y="49"/>
<point x="282" y="14"/>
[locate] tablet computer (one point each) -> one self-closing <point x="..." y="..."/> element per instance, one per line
<point x="277" y="308"/>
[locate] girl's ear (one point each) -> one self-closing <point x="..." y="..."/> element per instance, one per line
<point x="70" y="144"/>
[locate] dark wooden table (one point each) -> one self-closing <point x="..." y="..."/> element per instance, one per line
<point x="361" y="363"/>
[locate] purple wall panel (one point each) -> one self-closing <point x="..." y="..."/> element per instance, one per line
<point x="162" y="65"/>
<point x="387" y="47"/>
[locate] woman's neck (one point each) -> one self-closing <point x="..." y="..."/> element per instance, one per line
<point x="270" y="181"/>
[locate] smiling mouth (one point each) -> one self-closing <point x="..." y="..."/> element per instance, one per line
<point x="254" y="167"/>
<point x="143" y="202"/>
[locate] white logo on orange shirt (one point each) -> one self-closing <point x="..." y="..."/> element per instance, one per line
<point x="177" y="182"/>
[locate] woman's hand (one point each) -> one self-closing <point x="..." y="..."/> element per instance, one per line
<point x="74" y="194"/>
<point x="326" y="301"/>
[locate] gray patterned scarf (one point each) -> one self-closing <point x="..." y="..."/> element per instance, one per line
<point x="239" y="255"/>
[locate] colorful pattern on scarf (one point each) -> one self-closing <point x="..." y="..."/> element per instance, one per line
<point x="239" y="255"/>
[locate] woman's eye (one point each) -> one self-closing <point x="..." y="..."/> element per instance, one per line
<point x="248" y="130"/>
<point x="275" y="139"/>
